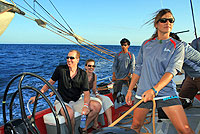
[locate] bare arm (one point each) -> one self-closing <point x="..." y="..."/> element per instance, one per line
<point x="113" y="78"/>
<point x="86" y="97"/>
<point x="134" y="80"/>
<point x="86" y="109"/>
<point x="94" y="88"/>
<point x="94" y="84"/>
<point x="44" y="89"/>
<point x="127" y="77"/>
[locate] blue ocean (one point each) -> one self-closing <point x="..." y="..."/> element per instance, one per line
<point x="42" y="59"/>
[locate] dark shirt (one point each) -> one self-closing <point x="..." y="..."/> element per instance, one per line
<point x="91" y="81"/>
<point x="70" y="89"/>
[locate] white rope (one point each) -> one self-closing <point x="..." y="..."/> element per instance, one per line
<point x="28" y="107"/>
<point x="187" y="99"/>
<point x="105" y="78"/>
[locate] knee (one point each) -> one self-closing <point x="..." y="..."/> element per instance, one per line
<point x="95" y="106"/>
<point x="186" y="130"/>
<point x="70" y="112"/>
<point x="136" y="125"/>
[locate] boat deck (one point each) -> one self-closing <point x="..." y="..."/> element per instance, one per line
<point x="163" y="126"/>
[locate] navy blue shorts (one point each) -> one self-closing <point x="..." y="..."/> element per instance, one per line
<point x="159" y="103"/>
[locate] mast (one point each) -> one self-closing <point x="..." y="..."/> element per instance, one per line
<point x="195" y="32"/>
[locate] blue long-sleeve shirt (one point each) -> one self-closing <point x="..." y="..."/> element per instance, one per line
<point x="155" y="58"/>
<point x="124" y="63"/>
<point x="191" y="64"/>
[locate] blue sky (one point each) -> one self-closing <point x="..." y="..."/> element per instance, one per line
<point x="103" y="21"/>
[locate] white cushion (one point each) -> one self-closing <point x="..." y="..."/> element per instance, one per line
<point x="49" y="118"/>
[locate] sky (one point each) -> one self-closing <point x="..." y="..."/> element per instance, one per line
<point x="104" y="22"/>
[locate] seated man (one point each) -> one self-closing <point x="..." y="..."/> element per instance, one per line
<point x="72" y="82"/>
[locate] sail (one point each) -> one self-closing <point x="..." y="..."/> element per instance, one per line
<point x="5" y="16"/>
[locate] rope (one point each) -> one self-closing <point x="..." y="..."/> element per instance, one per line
<point x="52" y="17"/>
<point x="154" y="111"/>
<point x="104" y="87"/>
<point x="101" y="46"/>
<point x="49" y="23"/>
<point x="96" y="48"/>
<point x="59" y="31"/>
<point x="12" y="2"/>
<point x="131" y="109"/>
<point x="78" y="44"/>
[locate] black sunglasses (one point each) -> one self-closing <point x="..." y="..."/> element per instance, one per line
<point x="164" y="20"/>
<point x="124" y="44"/>
<point x="91" y="65"/>
<point x="70" y="57"/>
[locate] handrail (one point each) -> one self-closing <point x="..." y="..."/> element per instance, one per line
<point x="104" y="78"/>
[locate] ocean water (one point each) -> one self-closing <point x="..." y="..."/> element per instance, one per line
<point x="42" y="59"/>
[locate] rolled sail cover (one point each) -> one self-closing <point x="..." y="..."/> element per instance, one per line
<point x="5" y="15"/>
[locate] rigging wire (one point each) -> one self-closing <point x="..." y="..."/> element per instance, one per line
<point x="26" y="9"/>
<point x="61" y="16"/>
<point x="193" y="19"/>
<point x="50" y="24"/>
<point x="35" y="13"/>
<point x="195" y="31"/>
<point x="71" y="30"/>
<point x="78" y="44"/>
<point x="67" y="25"/>
<point x="101" y="46"/>
<point x="12" y="2"/>
<point x="34" y="19"/>
<point x="96" y="48"/>
<point x="34" y="5"/>
<point x="62" y="32"/>
<point x="52" y="17"/>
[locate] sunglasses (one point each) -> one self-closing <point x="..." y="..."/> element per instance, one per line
<point x="70" y="57"/>
<point x="124" y="45"/>
<point x="91" y="65"/>
<point x="164" y="20"/>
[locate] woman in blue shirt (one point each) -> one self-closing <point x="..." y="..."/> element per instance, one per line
<point x="159" y="60"/>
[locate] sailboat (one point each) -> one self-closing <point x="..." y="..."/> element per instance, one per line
<point x="35" y="123"/>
